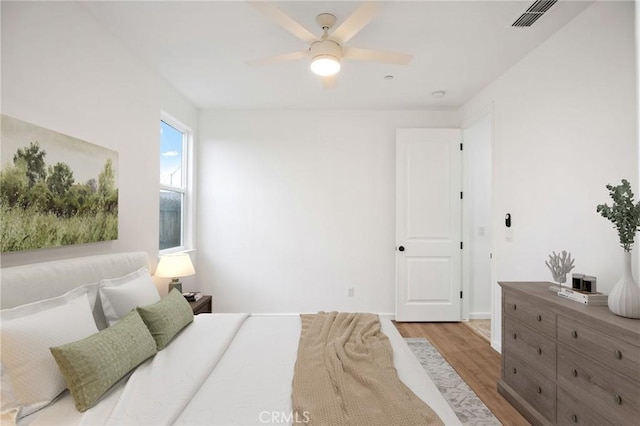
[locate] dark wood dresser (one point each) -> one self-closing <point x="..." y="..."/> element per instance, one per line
<point x="568" y="363"/>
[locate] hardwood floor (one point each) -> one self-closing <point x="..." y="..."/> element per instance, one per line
<point x="474" y="360"/>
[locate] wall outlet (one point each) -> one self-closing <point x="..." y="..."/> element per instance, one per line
<point x="350" y="291"/>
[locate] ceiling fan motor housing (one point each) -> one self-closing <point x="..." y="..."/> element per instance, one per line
<point x="325" y="47"/>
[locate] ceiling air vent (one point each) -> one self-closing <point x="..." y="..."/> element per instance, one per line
<point x="533" y="13"/>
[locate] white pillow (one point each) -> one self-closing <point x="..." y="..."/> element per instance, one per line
<point x="120" y="296"/>
<point x="27" y="333"/>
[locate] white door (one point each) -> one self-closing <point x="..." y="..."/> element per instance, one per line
<point x="428" y="224"/>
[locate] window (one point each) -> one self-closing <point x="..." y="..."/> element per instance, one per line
<point x="174" y="185"/>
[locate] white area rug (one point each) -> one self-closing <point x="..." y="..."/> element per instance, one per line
<point x="464" y="402"/>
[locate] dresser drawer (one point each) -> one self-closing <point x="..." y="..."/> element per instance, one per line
<point x="572" y="411"/>
<point x="600" y="387"/>
<point x="612" y="352"/>
<point x="531" y="346"/>
<point x="537" y="390"/>
<point x="530" y="314"/>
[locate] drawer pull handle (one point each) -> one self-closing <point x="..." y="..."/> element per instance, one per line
<point x="574" y="372"/>
<point x="618" y="354"/>
<point x="515" y="336"/>
<point x="539" y="317"/>
<point x="514" y="370"/>
<point x="574" y="418"/>
<point x="618" y="400"/>
<point x="574" y="334"/>
<point x="539" y="351"/>
<point x="539" y="389"/>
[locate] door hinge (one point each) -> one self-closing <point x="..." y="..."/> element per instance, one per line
<point x="460" y="245"/>
<point x="460" y="294"/>
<point x="460" y="146"/>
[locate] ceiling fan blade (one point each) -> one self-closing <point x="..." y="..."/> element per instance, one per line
<point x="330" y="81"/>
<point x="355" y="22"/>
<point x="285" y="21"/>
<point x="376" y="56"/>
<point x="269" y="60"/>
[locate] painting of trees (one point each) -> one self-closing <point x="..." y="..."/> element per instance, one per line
<point x="47" y="205"/>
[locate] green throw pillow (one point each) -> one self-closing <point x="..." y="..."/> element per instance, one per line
<point x="92" y="365"/>
<point x="166" y="318"/>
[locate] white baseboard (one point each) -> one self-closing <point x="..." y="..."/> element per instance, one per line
<point x="387" y="315"/>
<point x="479" y="315"/>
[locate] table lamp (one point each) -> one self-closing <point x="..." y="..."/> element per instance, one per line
<point x="175" y="266"/>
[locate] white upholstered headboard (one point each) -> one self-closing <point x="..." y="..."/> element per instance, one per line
<point x="29" y="283"/>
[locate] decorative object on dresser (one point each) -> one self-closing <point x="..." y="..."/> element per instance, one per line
<point x="559" y="265"/>
<point x="567" y="363"/>
<point x="175" y="266"/>
<point x="583" y="296"/>
<point x="624" y="299"/>
<point x="584" y="283"/>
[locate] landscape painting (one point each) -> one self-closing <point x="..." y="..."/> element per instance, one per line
<point x="55" y="190"/>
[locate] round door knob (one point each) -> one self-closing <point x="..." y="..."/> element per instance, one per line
<point x="401" y="248"/>
<point x="618" y="354"/>
<point x="514" y="370"/>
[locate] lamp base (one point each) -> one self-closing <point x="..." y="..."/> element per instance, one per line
<point x="175" y="283"/>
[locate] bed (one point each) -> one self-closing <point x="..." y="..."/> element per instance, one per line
<point x="221" y="369"/>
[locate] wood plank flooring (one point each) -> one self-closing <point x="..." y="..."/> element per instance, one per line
<point x="474" y="360"/>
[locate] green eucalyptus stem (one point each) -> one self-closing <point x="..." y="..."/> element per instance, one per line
<point x="624" y="214"/>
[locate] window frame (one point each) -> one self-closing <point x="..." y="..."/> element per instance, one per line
<point x="187" y="220"/>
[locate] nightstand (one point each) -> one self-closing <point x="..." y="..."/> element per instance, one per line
<point x="202" y="306"/>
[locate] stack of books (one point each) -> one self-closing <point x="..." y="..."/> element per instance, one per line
<point x="583" y="296"/>
<point x="192" y="296"/>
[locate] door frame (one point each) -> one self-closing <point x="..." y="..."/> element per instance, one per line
<point x="468" y="121"/>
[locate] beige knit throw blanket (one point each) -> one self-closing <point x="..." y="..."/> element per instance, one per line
<point x="344" y="375"/>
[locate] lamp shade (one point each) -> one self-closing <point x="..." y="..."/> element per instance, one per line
<point x="175" y="265"/>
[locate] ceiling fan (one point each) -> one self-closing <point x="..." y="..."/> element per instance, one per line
<point x="327" y="51"/>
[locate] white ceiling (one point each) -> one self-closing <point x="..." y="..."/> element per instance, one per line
<point x="202" y="49"/>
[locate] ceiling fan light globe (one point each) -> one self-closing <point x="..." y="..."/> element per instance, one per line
<point x="325" y="65"/>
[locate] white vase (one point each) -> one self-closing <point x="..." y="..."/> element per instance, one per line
<point x="624" y="299"/>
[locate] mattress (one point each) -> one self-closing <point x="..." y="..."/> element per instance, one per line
<point x="224" y="369"/>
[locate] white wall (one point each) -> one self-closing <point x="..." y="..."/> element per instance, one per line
<point x="478" y="138"/>
<point x="565" y="126"/>
<point x="61" y="70"/>
<point x="636" y="266"/>
<point x="296" y="206"/>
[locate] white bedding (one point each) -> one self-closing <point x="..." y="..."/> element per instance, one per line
<point x="224" y="369"/>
